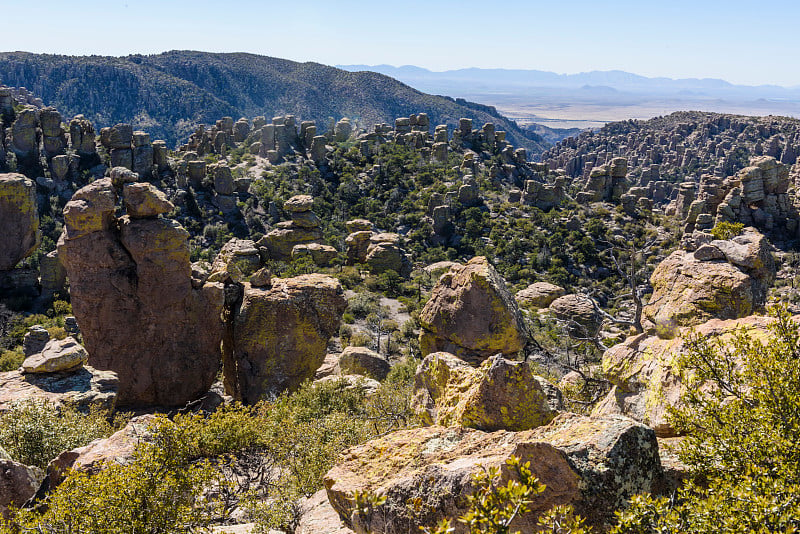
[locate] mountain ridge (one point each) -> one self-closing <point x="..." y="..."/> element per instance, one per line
<point x="170" y="93"/>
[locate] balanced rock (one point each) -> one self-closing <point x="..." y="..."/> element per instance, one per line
<point x="299" y="204"/>
<point x="593" y="463"/>
<point x="689" y="289"/>
<point x="280" y="335"/>
<point x="143" y="200"/>
<point x="363" y="361"/>
<point x="58" y="355"/>
<point x="83" y="388"/>
<point x="322" y="255"/>
<point x="471" y="314"/>
<point x="499" y="395"/>
<point x="19" y="219"/>
<point x="35" y="340"/>
<point x="131" y="289"/>
<point x="539" y="294"/>
<point x="238" y="259"/>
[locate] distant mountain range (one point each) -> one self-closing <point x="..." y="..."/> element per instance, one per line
<point x="611" y="80"/>
<point x="592" y="99"/>
<point x="169" y="94"/>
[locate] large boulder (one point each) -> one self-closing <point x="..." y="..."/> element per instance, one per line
<point x="18" y="483"/>
<point x="643" y="370"/>
<point x="238" y="259"/>
<point x="363" y="361"/>
<point x="317" y="516"/>
<point x="499" y="395"/>
<point x="579" y="313"/>
<point x="84" y="387"/>
<point x="280" y="335"/>
<point x="593" y="463"/>
<point x="471" y="314"/>
<point x="689" y="288"/>
<point x="131" y="289"/>
<point x="539" y="295"/>
<point x="58" y="355"/>
<point x="19" y="219"/>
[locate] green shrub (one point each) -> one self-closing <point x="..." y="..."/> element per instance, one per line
<point x="10" y="360"/>
<point x="726" y="230"/>
<point x="743" y="438"/>
<point x="35" y="432"/>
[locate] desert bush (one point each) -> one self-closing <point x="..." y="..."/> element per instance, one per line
<point x="10" y="360"/>
<point x="743" y="438"/>
<point x="726" y="230"/>
<point x="35" y="432"/>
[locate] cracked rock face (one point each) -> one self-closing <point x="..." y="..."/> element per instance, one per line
<point x="130" y="282"/>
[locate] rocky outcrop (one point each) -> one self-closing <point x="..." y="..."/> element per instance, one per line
<point x="593" y="463"/>
<point x="606" y="183"/>
<point x="57" y="356"/>
<point x="131" y="289"/>
<point x="280" y="334"/>
<point x="384" y="254"/>
<point x="643" y="370"/>
<point x="471" y="314"/>
<point x="722" y="279"/>
<point x="499" y="395"/>
<point x="83" y="387"/>
<point x="317" y="516"/>
<point x="539" y="295"/>
<point x="304" y="228"/>
<point x="19" y="219"/>
<point x="363" y="361"/>
<point x="238" y="260"/>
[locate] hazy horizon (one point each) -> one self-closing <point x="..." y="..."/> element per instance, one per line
<point x="733" y="40"/>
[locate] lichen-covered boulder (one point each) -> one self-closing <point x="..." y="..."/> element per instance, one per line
<point x="471" y="314"/>
<point x="19" y="219"/>
<point x="499" y="395"/>
<point x="643" y="370"/>
<point x="593" y="463"/>
<point x="689" y="289"/>
<point x="58" y="355"/>
<point x="238" y="259"/>
<point x="143" y="200"/>
<point x="363" y="361"/>
<point x="280" y="335"/>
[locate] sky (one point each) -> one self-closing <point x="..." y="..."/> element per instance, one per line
<point x="744" y="42"/>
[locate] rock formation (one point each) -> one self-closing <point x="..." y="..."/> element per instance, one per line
<point x="18" y="483"/>
<point x="57" y="356"/>
<point x="363" y="361"/>
<point x="304" y="228"/>
<point x="539" y="295"/>
<point x="19" y="219"/>
<point x="83" y="388"/>
<point x="499" y="395"/>
<point x="132" y="294"/>
<point x="644" y="374"/>
<point x="471" y="314"/>
<point x="579" y="313"/>
<point x="594" y="463"/>
<point x="720" y="279"/>
<point x="280" y="334"/>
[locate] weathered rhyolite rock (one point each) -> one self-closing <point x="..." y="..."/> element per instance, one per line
<point x="280" y="334"/>
<point x="363" y="361"/>
<point x="19" y="219"/>
<point x="539" y="295"/>
<point x="83" y="387"/>
<point x="593" y="463"/>
<point x="579" y="313"/>
<point x="58" y="355"/>
<point x="238" y="259"/>
<point x="499" y="395"/>
<point x="131" y="289"/>
<point x="643" y="370"/>
<point x="689" y="290"/>
<point x="143" y="200"/>
<point x="471" y="314"/>
<point x="303" y="229"/>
